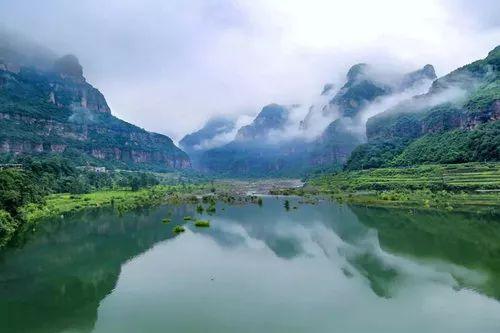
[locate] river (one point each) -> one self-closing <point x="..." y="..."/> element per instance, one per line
<point x="326" y="267"/>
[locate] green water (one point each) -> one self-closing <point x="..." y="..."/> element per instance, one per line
<point x="318" y="268"/>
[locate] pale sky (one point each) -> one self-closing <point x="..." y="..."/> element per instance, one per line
<point x="169" y="65"/>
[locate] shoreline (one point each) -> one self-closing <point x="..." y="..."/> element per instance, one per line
<point x="484" y="202"/>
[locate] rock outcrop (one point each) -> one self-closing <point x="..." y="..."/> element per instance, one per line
<point x="272" y="117"/>
<point x="460" y="110"/>
<point x="57" y="111"/>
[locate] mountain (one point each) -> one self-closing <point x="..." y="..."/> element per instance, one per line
<point x="52" y="109"/>
<point x="334" y="145"/>
<point x="365" y="86"/>
<point x="358" y="91"/>
<point x="273" y="145"/>
<point x="457" y="120"/>
<point x="258" y="149"/>
<point x="204" y="138"/>
<point x="216" y="132"/>
<point x="365" y="83"/>
<point x="272" y="117"/>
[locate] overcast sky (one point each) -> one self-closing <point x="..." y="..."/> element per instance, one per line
<point x="168" y="65"/>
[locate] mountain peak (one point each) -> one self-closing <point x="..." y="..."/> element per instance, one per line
<point x="69" y="66"/>
<point x="206" y="137"/>
<point x="429" y="70"/>
<point x="495" y="52"/>
<point x="425" y="73"/>
<point x="356" y="71"/>
<point x="272" y="116"/>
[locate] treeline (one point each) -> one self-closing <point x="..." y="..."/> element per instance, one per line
<point x="38" y="177"/>
<point x="481" y="144"/>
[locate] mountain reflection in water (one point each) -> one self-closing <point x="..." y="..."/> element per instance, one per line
<point x="255" y="269"/>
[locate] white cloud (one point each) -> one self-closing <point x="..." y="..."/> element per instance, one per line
<point x="170" y="65"/>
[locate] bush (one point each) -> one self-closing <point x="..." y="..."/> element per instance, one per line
<point x="202" y="224"/>
<point x="179" y="229"/>
<point x="7" y="226"/>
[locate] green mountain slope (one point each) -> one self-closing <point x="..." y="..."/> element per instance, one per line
<point x="456" y="121"/>
<point x="56" y="111"/>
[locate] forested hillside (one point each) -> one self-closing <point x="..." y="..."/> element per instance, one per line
<point x="53" y="110"/>
<point x="456" y="121"/>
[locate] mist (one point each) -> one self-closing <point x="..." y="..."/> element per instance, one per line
<point x="169" y="66"/>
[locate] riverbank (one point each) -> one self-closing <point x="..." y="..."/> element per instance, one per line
<point x="470" y="188"/>
<point x="467" y="187"/>
<point x="464" y="187"/>
<point x="121" y="199"/>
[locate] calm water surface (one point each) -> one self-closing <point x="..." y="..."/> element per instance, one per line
<point x="318" y="268"/>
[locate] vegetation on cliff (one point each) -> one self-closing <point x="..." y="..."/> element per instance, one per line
<point x="456" y="121"/>
<point x="56" y="111"/>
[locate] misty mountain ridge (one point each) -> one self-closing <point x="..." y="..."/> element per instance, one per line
<point x="271" y="117"/>
<point x="376" y="117"/>
<point x="456" y="121"/>
<point x="327" y="134"/>
<point x="52" y="109"/>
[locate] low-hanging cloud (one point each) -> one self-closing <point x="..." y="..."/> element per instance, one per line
<point x="225" y="136"/>
<point x="168" y="66"/>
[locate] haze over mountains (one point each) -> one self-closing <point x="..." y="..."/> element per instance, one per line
<point x="277" y="142"/>
<point x="47" y="106"/>
<point x="378" y="116"/>
<point x="406" y="118"/>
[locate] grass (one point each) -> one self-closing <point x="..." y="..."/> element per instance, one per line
<point x="211" y="209"/>
<point x="451" y="177"/>
<point x="187" y="218"/>
<point x="202" y="224"/>
<point x="122" y="200"/>
<point x="466" y="186"/>
<point x="166" y="220"/>
<point x="125" y="199"/>
<point x="178" y="229"/>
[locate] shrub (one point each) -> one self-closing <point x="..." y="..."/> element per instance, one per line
<point x="202" y="224"/>
<point x="179" y="229"/>
<point x="7" y="226"/>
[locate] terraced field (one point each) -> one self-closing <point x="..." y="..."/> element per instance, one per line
<point x="467" y="177"/>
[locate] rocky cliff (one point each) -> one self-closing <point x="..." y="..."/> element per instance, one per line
<point x="324" y="139"/>
<point x="272" y="117"/>
<point x="458" y="114"/>
<point x="54" y="110"/>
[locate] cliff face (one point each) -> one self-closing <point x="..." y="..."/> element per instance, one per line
<point x="272" y="117"/>
<point x="457" y="120"/>
<point x="324" y="139"/>
<point x="465" y="99"/>
<point x="57" y="111"/>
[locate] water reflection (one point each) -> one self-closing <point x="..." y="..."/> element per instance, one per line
<point x="56" y="280"/>
<point x="311" y="269"/>
<point x="467" y="246"/>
